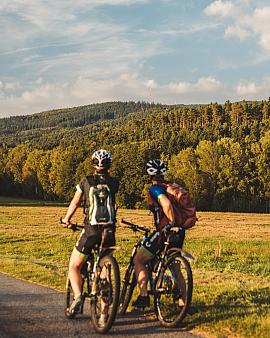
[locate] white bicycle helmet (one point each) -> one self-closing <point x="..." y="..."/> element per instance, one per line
<point x="156" y="168"/>
<point x="102" y="159"/>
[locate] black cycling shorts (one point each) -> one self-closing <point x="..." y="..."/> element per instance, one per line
<point x="155" y="242"/>
<point x="92" y="236"/>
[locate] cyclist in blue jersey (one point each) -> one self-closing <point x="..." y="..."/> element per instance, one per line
<point x="163" y="212"/>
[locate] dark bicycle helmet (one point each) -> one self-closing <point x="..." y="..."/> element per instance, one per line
<point x="156" y="168"/>
<point x="102" y="159"/>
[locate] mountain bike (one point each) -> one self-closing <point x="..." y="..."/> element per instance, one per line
<point x="101" y="285"/>
<point x="170" y="279"/>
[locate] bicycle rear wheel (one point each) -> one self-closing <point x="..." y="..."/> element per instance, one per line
<point x="129" y="284"/>
<point x="173" y="291"/>
<point x="105" y="294"/>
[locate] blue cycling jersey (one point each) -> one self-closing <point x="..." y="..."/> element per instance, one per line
<point x="156" y="190"/>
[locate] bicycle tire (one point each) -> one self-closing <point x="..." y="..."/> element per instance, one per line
<point x="112" y="294"/>
<point x="128" y="287"/>
<point x="170" y="311"/>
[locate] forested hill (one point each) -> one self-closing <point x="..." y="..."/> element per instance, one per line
<point x="73" y="117"/>
<point x="220" y="152"/>
<point x="17" y="129"/>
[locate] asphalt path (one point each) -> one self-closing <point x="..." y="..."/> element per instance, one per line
<point x="29" y="310"/>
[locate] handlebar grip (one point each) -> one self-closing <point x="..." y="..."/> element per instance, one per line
<point x="74" y="226"/>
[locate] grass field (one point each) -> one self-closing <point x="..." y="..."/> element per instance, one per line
<point x="231" y="271"/>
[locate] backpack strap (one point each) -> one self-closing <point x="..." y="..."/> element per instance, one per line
<point x="89" y="182"/>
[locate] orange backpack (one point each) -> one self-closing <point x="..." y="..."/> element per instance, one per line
<point x="181" y="202"/>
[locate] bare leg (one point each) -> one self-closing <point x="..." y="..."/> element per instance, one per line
<point x="74" y="272"/>
<point x="181" y="282"/>
<point x="141" y="272"/>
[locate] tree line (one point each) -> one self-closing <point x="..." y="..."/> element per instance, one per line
<point x="219" y="152"/>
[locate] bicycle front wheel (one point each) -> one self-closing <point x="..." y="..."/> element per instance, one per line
<point x="105" y="294"/>
<point x="129" y="284"/>
<point x="173" y="291"/>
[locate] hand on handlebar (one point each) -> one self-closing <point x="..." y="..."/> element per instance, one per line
<point x="170" y="227"/>
<point x="66" y="224"/>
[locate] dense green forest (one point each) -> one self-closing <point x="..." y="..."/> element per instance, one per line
<point x="221" y="153"/>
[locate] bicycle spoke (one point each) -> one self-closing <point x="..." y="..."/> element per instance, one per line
<point x="173" y="291"/>
<point x="104" y="304"/>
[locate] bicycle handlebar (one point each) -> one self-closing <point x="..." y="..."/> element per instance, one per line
<point x="135" y="227"/>
<point x="132" y="226"/>
<point x="74" y="226"/>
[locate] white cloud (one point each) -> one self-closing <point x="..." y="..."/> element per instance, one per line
<point x="220" y="7"/>
<point x="247" y="88"/>
<point x="248" y="22"/>
<point x="257" y="24"/>
<point x="127" y="86"/>
<point x="151" y="84"/>
<point x="206" y="84"/>
<point x="254" y="90"/>
<point x="237" y="31"/>
<point x="259" y="21"/>
<point x="9" y="85"/>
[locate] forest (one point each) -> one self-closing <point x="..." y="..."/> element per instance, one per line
<point x="219" y="152"/>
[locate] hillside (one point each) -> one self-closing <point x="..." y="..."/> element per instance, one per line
<point x="220" y="152"/>
<point x="89" y="119"/>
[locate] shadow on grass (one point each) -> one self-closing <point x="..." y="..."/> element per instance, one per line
<point x="229" y="305"/>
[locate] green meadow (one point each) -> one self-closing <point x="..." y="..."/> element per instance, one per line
<point x="231" y="269"/>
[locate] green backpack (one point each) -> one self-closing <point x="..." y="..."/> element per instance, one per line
<point x="101" y="210"/>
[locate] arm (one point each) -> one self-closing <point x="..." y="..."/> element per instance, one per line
<point x="72" y="208"/>
<point x="167" y="208"/>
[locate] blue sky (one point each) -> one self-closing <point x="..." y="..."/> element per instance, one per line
<point x="65" y="53"/>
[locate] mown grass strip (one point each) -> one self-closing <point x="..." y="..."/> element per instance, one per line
<point x="231" y="269"/>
